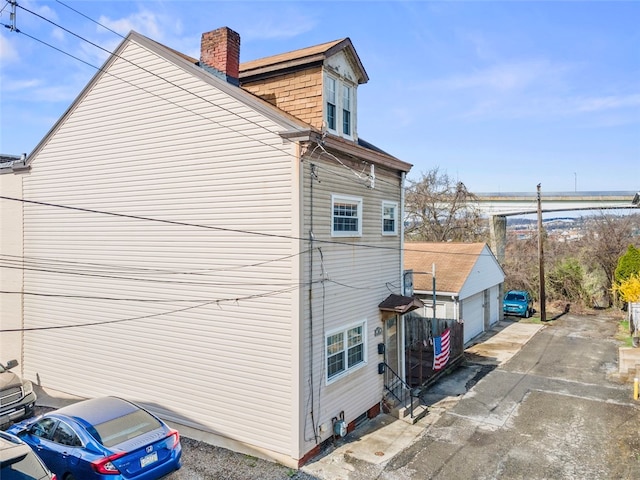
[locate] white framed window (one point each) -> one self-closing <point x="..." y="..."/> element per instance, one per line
<point x="346" y="350"/>
<point x="331" y="102"/>
<point x="339" y="106"/>
<point x="389" y="218"/>
<point x="346" y="216"/>
<point x="346" y="110"/>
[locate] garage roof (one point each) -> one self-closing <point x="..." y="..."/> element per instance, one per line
<point x="454" y="263"/>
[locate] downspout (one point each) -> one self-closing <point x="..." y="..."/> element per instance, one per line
<point x="312" y="386"/>
<point x="401" y="317"/>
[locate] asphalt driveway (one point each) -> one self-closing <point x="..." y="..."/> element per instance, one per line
<point x="545" y="406"/>
<point x="555" y="410"/>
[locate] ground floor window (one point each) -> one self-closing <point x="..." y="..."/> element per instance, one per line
<point x="345" y="350"/>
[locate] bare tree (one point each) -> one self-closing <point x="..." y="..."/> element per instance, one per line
<point x="607" y="238"/>
<point x="440" y="209"/>
<point x="521" y="265"/>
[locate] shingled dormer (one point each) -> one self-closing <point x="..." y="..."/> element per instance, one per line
<point x="317" y="84"/>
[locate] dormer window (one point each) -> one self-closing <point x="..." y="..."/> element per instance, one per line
<point x="346" y="110"/>
<point x="331" y="103"/>
<point x="339" y="106"/>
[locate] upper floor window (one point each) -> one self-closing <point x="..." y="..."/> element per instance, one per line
<point x="346" y="110"/>
<point x="389" y="218"/>
<point x="331" y="103"/>
<point x="340" y="106"/>
<point x="346" y="216"/>
<point x="345" y="350"/>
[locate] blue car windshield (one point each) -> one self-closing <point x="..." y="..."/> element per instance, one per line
<point x="515" y="296"/>
<point x="124" y="428"/>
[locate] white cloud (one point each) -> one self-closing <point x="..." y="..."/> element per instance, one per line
<point x="40" y="9"/>
<point x="548" y="106"/>
<point x="12" y="85"/>
<point x="58" y="34"/>
<point x="610" y="102"/>
<point x="283" y="23"/>
<point x="506" y="77"/>
<point x="526" y="89"/>
<point x="144" y="22"/>
<point x="8" y="53"/>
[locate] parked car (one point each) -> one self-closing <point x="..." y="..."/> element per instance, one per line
<point x="19" y="462"/>
<point x="517" y="302"/>
<point x="17" y="398"/>
<point x="103" y="438"/>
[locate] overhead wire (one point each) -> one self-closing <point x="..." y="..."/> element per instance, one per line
<point x="144" y="317"/>
<point x="90" y="19"/>
<point x="113" y="268"/>
<point x="225" y="229"/>
<point x="357" y="174"/>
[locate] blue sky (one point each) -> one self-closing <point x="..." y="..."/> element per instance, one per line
<point x="501" y="95"/>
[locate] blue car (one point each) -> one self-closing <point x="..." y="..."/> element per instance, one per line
<point x="103" y="439"/>
<point x="517" y="302"/>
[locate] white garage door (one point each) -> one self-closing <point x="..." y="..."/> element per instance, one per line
<point x="473" y="316"/>
<point x="494" y="305"/>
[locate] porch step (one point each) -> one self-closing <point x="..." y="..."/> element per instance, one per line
<point x="628" y="363"/>
<point x="404" y="412"/>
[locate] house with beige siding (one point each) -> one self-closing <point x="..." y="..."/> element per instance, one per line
<point x="213" y="240"/>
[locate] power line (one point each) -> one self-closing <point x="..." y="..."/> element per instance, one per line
<point x="144" y="317"/>
<point x="163" y="79"/>
<point x="224" y="229"/>
<point x="90" y="19"/>
<point x="114" y="299"/>
<point x="112" y="268"/>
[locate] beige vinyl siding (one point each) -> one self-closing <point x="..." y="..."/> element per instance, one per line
<point x="364" y="277"/>
<point x="10" y="274"/>
<point x="215" y="353"/>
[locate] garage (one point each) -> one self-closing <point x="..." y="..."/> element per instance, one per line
<point x="467" y="279"/>
<point x="473" y="315"/>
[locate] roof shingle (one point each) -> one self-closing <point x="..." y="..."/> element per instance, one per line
<point x="454" y="262"/>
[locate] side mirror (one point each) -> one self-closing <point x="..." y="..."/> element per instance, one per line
<point x="11" y="364"/>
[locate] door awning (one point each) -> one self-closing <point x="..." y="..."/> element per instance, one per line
<point x="400" y="304"/>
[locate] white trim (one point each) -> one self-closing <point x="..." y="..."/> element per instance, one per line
<point x="348" y="199"/>
<point x="387" y="203"/>
<point x="347" y="370"/>
<point x="340" y="85"/>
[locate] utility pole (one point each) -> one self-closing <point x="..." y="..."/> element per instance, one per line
<point x="12" y="15"/>
<point x="543" y="309"/>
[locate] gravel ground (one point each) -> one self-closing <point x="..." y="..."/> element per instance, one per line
<point x="201" y="461"/>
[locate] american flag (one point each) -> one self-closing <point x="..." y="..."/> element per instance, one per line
<point x="441" y="348"/>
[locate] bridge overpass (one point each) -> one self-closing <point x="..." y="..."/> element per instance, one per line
<point x="501" y="205"/>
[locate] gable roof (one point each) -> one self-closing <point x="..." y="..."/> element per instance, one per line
<point x="293" y="128"/>
<point x="454" y="263"/>
<point x="289" y="123"/>
<point x="303" y="57"/>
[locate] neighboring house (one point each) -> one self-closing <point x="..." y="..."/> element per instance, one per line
<point x="214" y="240"/>
<point x="11" y="255"/>
<point x="468" y="286"/>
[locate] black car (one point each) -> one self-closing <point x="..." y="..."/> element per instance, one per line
<point x="17" y="398"/>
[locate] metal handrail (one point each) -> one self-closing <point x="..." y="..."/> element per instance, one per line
<point x="407" y="388"/>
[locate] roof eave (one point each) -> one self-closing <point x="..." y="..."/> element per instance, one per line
<point x="350" y="148"/>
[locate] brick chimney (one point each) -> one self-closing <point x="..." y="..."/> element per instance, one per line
<point x="220" y="51"/>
